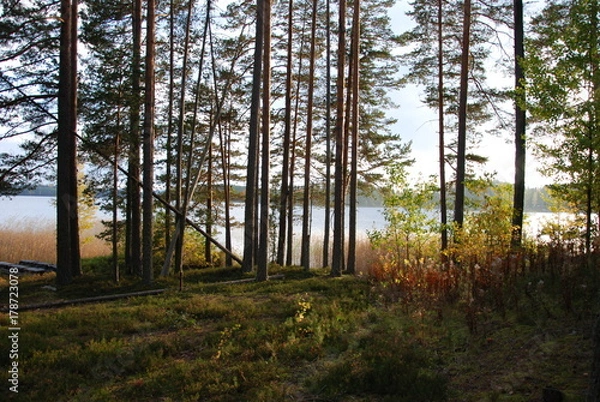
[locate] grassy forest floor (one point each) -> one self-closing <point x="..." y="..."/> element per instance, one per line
<point x="307" y="337"/>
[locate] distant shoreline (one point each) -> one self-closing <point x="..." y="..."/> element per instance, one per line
<point x="40" y="191"/>
<point x="536" y="199"/>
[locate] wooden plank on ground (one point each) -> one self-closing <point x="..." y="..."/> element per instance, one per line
<point x="247" y="280"/>
<point x="38" y="264"/>
<point x="96" y="299"/>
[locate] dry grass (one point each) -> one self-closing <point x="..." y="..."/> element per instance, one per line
<point x="365" y="256"/>
<point x="28" y="239"/>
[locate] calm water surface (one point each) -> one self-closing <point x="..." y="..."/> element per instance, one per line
<point x="43" y="210"/>
<point x="30" y="208"/>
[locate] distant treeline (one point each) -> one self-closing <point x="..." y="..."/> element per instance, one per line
<point x="43" y="191"/>
<point x="535" y="198"/>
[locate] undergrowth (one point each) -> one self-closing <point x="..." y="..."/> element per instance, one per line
<point x="304" y="338"/>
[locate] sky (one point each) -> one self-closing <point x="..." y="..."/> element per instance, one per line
<point x="418" y="123"/>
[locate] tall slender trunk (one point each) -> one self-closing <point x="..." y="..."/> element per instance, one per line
<point x="338" y="229"/>
<point x="355" y="54"/>
<point x="292" y="171"/>
<point x="115" y="200"/>
<point x="225" y="163"/>
<point x="306" y="204"/>
<point x="262" y="271"/>
<point x="327" y="222"/>
<point x="209" y="209"/>
<point x="134" y="222"/>
<point x="181" y="199"/>
<point x="149" y="110"/>
<point x="253" y="146"/>
<point x="594" y="61"/>
<point x="520" y="146"/>
<point x="459" y="206"/>
<point x="64" y="255"/>
<point x="74" y="188"/>
<point x="441" y="129"/>
<point x="170" y="125"/>
<point x="594" y="112"/>
<point x="289" y="255"/>
<point x="285" y="170"/>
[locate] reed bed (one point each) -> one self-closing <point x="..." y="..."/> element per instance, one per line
<point x="31" y="239"/>
<point x="365" y="255"/>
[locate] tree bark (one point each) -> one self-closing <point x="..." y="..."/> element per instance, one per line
<point x="74" y="188"/>
<point x="327" y="222"/>
<point x="181" y="198"/>
<point x="115" y="200"/>
<point x="225" y="162"/>
<point x="520" y="146"/>
<point x="355" y="59"/>
<point x="441" y="131"/>
<point x="306" y="201"/>
<point x="262" y="271"/>
<point x="338" y="229"/>
<point x="285" y="169"/>
<point x="209" y="209"/>
<point x="64" y="256"/>
<point x="253" y="146"/>
<point x="170" y="125"/>
<point x="133" y="241"/>
<point x="149" y="110"/>
<point x="459" y="206"/>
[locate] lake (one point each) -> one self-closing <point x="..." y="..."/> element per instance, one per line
<point x="42" y="210"/>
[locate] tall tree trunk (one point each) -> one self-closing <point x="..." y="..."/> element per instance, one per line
<point x="209" y="209"/>
<point x="74" y="188"/>
<point x="338" y="229"/>
<point x="170" y="125"/>
<point x="289" y="254"/>
<point x="149" y="110"/>
<point x="594" y="60"/>
<point x="306" y="202"/>
<point x="459" y="206"/>
<point x="520" y="149"/>
<point x="134" y="222"/>
<point x="225" y="163"/>
<point x="285" y="170"/>
<point x="64" y="255"/>
<point x="594" y="112"/>
<point x="328" y="158"/>
<point x="253" y="146"/>
<point x="262" y="272"/>
<point x="115" y="200"/>
<point x="181" y="199"/>
<point x="441" y="129"/>
<point x="355" y="60"/>
<point x="292" y="171"/>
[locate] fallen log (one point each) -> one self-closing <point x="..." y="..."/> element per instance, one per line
<point x="86" y="300"/>
<point x="8" y="268"/>
<point x="248" y="280"/>
<point x="38" y="264"/>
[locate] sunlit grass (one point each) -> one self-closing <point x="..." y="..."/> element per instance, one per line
<point x="307" y="337"/>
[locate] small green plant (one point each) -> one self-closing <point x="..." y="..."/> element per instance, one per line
<point x="225" y="340"/>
